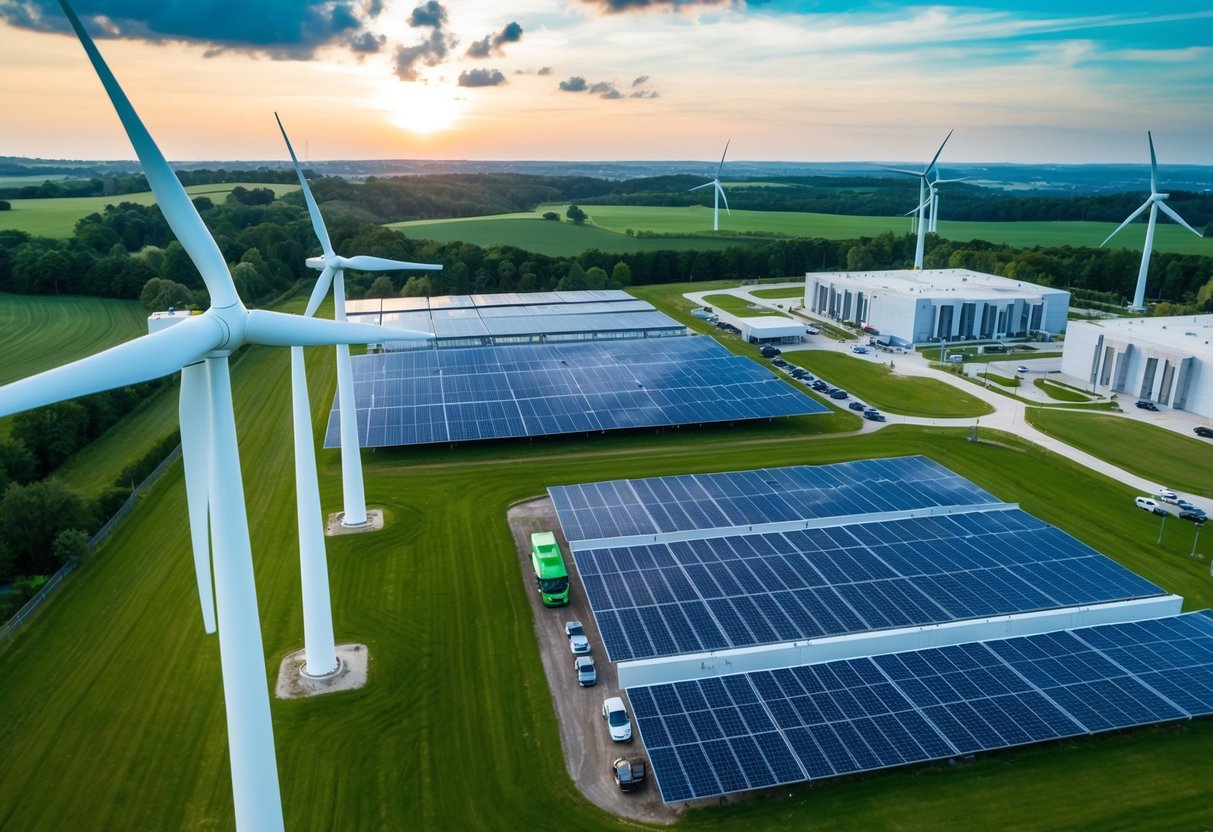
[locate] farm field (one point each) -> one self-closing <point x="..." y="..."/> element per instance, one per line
<point x="57" y="217"/>
<point x="118" y="692"/>
<point x="690" y="228"/>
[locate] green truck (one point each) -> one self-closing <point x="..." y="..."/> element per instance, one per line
<point x="550" y="574"/>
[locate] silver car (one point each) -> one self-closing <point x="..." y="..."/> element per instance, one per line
<point x="586" y="674"/>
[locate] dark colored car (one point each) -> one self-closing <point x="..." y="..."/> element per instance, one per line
<point x="1144" y="405"/>
<point x="1197" y="517"/>
<point x="798" y="372"/>
<point x="629" y="774"/>
<point x="768" y="352"/>
<point x="1201" y="430"/>
<point x="873" y="415"/>
<point x="779" y="362"/>
<point x="860" y="406"/>
<point x="839" y="394"/>
<point x="820" y="386"/>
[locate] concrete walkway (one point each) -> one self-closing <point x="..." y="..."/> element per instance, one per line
<point x="1008" y="415"/>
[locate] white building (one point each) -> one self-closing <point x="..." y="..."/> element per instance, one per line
<point x="1166" y="360"/>
<point x="917" y="307"/>
<point x="771" y="329"/>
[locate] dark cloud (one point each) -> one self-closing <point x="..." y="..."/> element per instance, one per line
<point x="493" y="44"/>
<point x="641" y="80"/>
<point x="643" y="94"/>
<point x="544" y="70"/>
<point x="481" y="78"/>
<point x="601" y="87"/>
<point x="620" y="6"/>
<point x="574" y="84"/>
<point x="430" y="52"/>
<point x="432" y="14"/>
<point x="289" y="29"/>
<point x="367" y="43"/>
<point x="611" y="94"/>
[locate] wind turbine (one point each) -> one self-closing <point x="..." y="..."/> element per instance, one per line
<point x="199" y="347"/>
<point x="319" y="644"/>
<point x="718" y="193"/>
<point x="923" y="199"/>
<point x="1154" y="202"/>
<point x="332" y="273"/>
<point x="933" y="187"/>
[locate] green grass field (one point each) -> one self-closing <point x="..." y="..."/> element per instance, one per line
<point x="1169" y="458"/>
<point x="777" y="294"/>
<point x="57" y="217"/>
<point x="1059" y="392"/>
<point x="880" y="387"/>
<point x="44" y="331"/>
<point x="1005" y="381"/>
<point x="740" y="307"/>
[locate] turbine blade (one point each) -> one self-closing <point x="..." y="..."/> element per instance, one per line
<point x="174" y="202"/>
<point x="720" y="167"/>
<point x="145" y="358"/>
<point x="366" y="263"/>
<point x="196" y="455"/>
<point x="313" y="210"/>
<point x="319" y="291"/>
<point x="1153" y="165"/>
<point x="1166" y="209"/>
<point x="1132" y="217"/>
<point x="935" y="158"/>
<point x="278" y="329"/>
<point x="907" y="172"/>
<point x="704" y="185"/>
<point x="725" y="198"/>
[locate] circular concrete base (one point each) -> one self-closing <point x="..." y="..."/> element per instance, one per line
<point x="334" y="526"/>
<point x="353" y="661"/>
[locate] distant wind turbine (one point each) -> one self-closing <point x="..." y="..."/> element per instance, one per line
<point x="1154" y="202"/>
<point x="718" y="193"/>
<point x="933" y="186"/>
<point x="319" y="643"/>
<point x="199" y="346"/>
<point x="924" y="199"/>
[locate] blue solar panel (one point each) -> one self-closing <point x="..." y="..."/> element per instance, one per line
<point x="749" y="589"/>
<point x="743" y="498"/>
<point x="753" y="730"/>
<point x="418" y="397"/>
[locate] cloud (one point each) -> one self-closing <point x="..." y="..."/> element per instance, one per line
<point x="643" y="94"/>
<point x="544" y="70"/>
<point x="429" y="52"/>
<point x="621" y="6"/>
<point x="493" y="44"/>
<point x="601" y="87"/>
<point x="611" y="94"/>
<point x="481" y="78"/>
<point x="367" y="43"/>
<point x="286" y="29"/>
<point x="574" y="84"/>
<point x="641" y="80"/>
<point x="432" y="14"/>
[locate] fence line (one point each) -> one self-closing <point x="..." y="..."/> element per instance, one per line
<point x="31" y="606"/>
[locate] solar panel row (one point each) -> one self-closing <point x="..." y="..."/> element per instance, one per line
<point x="701" y="595"/>
<point x="753" y="730"/>
<point x="623" y="508"/>
<point x="426" y="396"/>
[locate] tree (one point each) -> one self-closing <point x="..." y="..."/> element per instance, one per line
<point x="595" y="278"/>
<point x="551" y="216"/>
<point x="576" y="214"/>
<point x="16" y="461"/>
<point x="621" y="275"/>
<point x="416" y="287"/>
<point x="159" y="294"/>
<point x="70" y="545"/>
<point x="383" y="287"/>
<point x="574" y="281"/>
<point x="7" y="206"/>
<point x="52" y="433"/>
<point x="32" y="516"/>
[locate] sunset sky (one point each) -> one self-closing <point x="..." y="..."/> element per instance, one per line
<point x="798" y="80"/>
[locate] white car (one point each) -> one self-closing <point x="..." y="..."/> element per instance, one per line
<point x="578" y="642"/>
<point x="618" y="722"/>
<point x="1167" y="496"/>
<point x="586" y="674"/>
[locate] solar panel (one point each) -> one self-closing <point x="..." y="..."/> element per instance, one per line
<point x="743" y="498"/>
<point x="454" y="395"/>
<point x="663" y="599"/>
<point x="753" y="730"/>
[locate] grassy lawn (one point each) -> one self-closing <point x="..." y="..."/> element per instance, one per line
<point x="1169" y="458"/>
<point x="1059" y="392"/>
<point x="740" y="307"/>
<point x="57" y="217"/>
<point x="43" y="331"/>
<point x="881" y="387"/>
<point x="776" y="294"/>
<point x="1003" y="380"/>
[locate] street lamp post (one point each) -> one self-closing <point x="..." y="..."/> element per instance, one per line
<point x="1196" y="539"/>
<point x="1162" y="526"/>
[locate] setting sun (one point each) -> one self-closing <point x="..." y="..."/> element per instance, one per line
<point x="421" y="108"/>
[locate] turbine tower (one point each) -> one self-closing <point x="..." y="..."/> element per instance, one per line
<point x="332" y="273"/>
<point x="1154" y="202"/>
<point x="198" y="347"/>
<point x="319" y="645"/>
<point x="923" y="199"/>
<point x="718" y="192"/>
<point x="933" y="187"/>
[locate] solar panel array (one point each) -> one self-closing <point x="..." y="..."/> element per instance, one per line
<point x="705" y="501"/>
<point x="458" y="395"/>
<point x="753" y="730"/>
<point x="734" y="591"/>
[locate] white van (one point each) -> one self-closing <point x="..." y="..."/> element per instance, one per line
<point x="1148" y="504"/>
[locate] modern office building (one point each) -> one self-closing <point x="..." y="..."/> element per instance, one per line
<point x="1165" y="360"/>
<point x="917" y="307"/>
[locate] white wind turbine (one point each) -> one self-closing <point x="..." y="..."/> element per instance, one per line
<point x="923" y="199"/>
<point x="933" y="186"/>
<point x="718" y="192"/>
<point x="1153" y="202"/>
<point x="199" y="347"/>
<point x="319" y="645"/>
<point x="332" y="272"/>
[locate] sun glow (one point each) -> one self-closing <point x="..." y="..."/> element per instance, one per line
<point x="421" y="108"/>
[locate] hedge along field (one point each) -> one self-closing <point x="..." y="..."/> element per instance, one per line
<point x="115" y="690"/>
<point x="57" y="217"/>
<point x="44" y="331"/>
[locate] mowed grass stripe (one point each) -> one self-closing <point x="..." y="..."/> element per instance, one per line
<point x="45" y="331"/>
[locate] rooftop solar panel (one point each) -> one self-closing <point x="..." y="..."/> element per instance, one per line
<point x="425" y="396"/>
<point x="753" y="730"/>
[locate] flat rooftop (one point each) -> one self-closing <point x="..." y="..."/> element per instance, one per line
<point x="938" y="283"/>
<point x="1185" y="333"/>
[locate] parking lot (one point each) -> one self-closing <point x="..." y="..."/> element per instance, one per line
<point x="588" y="750"/>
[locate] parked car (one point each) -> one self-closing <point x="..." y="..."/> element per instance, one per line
<point x="858" y="350"/>
<point x="1166" y="495"/>
<point x="798" y="372"/>
<point x="1145" y="405"/>
<point x="858" y="405"/>
<point x="587" y="675"/>
<point x="578" y="642"/>
<point x="839" y="394"/>
<point x="812" y="330"/>
<point x="1201" y="430"/>
<point x="820" y="386"/>
<point x="779" y="362"/>
<point x="768" y="351"/>
<point x="616" y="716"/>
<point x="1147" y="504"/>
<point x="1022" y="369"/>
<point x="1186" y="506"/>
<point x="1195" y="517"/>
<point x="629" y="774"/>
<point x="873" y="416"/>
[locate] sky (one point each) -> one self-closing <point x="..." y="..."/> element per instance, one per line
<point x="1031" y="81"/>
